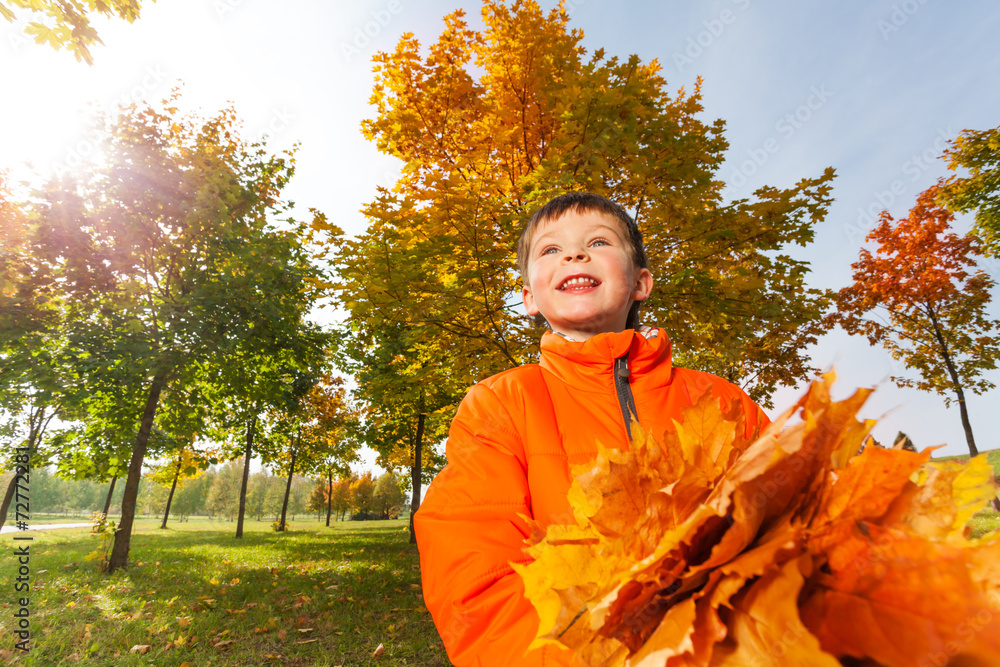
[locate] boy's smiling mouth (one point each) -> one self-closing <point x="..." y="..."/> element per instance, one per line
<point x="578" y="282"/>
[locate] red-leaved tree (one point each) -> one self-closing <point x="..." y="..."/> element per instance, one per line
<point x="922" y="297"/>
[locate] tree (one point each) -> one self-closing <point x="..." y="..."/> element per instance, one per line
<point x="489" y="125"/>
<point x="332" y="427"/>
<point x="979" y="153"/>
<point x="190" y="498"/>
<point x="264" y="377"/>
<point x="407" y="394"/>
<point x="318" y="499"/>
<point x="387" y="497"/>
<point x="930" y="302"/>
<point x="340" y="498"/>
<point x="188" y="463"/>
<point x="315" y="426"/>
<point x="362" y="489"/>
<point x="179" y="261"/>
<point x="66" y="23"/>
<point x="37" y="380"/>
<point x="223" y="496"/>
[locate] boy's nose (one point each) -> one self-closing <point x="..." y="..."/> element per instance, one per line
<point x="578" y="255"/>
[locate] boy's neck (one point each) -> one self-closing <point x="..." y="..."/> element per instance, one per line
<point x="646" y="331"/>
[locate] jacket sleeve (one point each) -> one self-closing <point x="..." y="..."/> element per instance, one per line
<point x="468" y="532"/>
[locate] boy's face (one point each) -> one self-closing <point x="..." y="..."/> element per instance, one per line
<point x="580" y="275"/>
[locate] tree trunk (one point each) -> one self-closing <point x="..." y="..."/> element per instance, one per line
<point x="123" y="536"/>
<point x="7" y="498"/>
<point x="251" y="428"/>
<point x="107" y="501"/>
<point x="956" y="384"/>
<point x="288" y="486"/>
<point x="36" y="426"/>
<point x="415" y="474"/>
<point x="170" y="496"/>
<point x="329" y="495"/>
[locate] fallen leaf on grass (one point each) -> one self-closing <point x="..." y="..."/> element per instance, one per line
<point x="306" y="641"/>
<point x="223" y="643"/>
<point x="305" y="629"/>
<point x="379" y="651"/>
<point x="140" y="648"/>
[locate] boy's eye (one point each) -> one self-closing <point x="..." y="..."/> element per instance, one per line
<point x="599" y="242"/>
<point x="550" y="250"/>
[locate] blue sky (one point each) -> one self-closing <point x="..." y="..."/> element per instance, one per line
<point x="872" y="89"/>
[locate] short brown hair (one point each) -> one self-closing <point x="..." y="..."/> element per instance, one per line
<point x="583" y="202"/>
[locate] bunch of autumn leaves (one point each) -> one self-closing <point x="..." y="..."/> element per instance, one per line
<point x="704" y="548"/>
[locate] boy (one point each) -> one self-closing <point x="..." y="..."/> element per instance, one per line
<point x="517" y="433"/>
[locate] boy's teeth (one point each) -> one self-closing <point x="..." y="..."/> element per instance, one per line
<point x="578" y="282"/>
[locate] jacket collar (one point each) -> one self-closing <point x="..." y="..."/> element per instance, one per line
<point x="589" y="365"/>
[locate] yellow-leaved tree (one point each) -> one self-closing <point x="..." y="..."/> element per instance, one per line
<point x="491" y="124"/>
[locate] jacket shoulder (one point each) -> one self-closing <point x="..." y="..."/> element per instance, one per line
<point x="704" y="380"/>
<point x="516" y="380"/>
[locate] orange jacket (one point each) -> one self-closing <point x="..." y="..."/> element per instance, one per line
<point x="509" y="451"/>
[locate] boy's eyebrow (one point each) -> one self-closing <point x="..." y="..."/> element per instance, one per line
<point x="592" y="227"/>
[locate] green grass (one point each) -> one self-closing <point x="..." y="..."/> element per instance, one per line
<point x="311" y="596"/>
<point x="987" y="520"/>
<point x="984" y="522"/>
<point x="992" y="457"/>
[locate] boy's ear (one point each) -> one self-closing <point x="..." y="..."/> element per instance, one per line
<point x="643" y="285"/>
<point x="529" y="301"/>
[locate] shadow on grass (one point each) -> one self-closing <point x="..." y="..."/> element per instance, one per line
<point x="305" y="597"/>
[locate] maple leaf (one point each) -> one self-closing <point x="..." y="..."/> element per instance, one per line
<point x="703" y="548"/>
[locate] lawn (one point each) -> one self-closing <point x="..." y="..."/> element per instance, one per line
<point x="196" y="595"/>
<point x="987" y="520"/>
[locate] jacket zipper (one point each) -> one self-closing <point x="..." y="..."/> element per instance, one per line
<point x="624" y="391"/>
